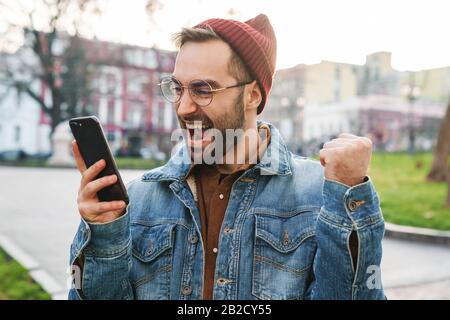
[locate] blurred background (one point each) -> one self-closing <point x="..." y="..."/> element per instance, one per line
<point x="379" y="69"/>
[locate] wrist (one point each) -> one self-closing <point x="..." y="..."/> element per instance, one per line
<point x="348" y="181"/>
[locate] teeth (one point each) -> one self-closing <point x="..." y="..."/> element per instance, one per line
<point x="197" y="126"/>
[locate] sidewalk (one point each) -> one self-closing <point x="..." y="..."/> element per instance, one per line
<point x="39" y="219"/>
<point x="414" y="270"/>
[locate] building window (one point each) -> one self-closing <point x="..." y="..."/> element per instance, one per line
<point x="150" y="59"/>
<point x="17" y="134"/>
<point x="168" y="116"/>
<point x="110" y="114"/>
<point x="337" y="86"/>
<point x="377" y="74"/>
<point x="161" y="115"/>
<point x="337" y="74"/>
<point x="110" y="84"/>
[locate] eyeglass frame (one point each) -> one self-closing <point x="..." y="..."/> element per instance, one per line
<point x="213" y="91"/>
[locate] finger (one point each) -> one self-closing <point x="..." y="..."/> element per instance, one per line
<point x="347" y="136"/>
<point x="106" y="217"/>
<point x="90" y="173"/>
<point x="104" y="207"/>
<point x="91" y="189"/>
<point x="336" y="144"/>
<point x="98" y="212"/>
<point x="354" y="140"/>
<point x="78" y="158"/>
<point x="324" y="155"/>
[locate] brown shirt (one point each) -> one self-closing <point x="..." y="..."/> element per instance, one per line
<point x="213" y="193"/>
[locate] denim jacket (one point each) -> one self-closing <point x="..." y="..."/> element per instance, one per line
<point x="285" y="235"/>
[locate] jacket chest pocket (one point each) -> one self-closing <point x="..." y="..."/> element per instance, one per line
<point x="284" y="252"/>
<point x="152" y="260"/>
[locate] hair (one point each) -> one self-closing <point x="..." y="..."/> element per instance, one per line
<point x="236" y="67"/>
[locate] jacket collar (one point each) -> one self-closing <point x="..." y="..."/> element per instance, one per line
<point x="275" y="160"/>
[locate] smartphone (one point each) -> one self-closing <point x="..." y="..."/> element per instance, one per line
<point x="93" y="146"/>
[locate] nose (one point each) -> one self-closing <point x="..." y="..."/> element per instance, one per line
<point x="186" y="106"/>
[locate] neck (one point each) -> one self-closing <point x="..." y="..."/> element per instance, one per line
<point x="246" y="152"/>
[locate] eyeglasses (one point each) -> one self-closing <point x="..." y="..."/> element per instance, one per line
<point x="201" y="91"/>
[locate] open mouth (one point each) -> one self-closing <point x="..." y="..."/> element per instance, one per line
<point x="198" y="130"/>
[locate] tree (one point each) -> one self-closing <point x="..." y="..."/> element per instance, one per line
<point x="448" y="189"/>
<point x="49" y="51"/>
<point x="439" y="167"/>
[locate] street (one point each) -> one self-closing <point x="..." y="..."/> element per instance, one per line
<point x="39" y="216"/>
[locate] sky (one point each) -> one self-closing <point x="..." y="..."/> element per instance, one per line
<point x="415" y="31"/>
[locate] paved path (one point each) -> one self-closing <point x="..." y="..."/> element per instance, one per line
<point x="38" y="219"/>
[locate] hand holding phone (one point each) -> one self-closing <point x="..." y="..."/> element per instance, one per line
<point x="89" y="206"/>
<point x="102" y="196"/>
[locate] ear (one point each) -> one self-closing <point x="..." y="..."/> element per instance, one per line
<point x="253" y="96"/>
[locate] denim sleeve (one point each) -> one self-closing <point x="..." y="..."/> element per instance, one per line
<point x="345" y="210"/>
<point x="105" y="250"/>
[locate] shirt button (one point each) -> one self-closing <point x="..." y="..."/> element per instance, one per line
<point x="193" y="239"/>
<point x="221" y="196"/>
<point x="187" y="290"/>
<point x="222" y="281"/>
<point x="215" y="250"/>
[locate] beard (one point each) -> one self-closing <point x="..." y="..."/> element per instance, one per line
<point x="231" y="120"/>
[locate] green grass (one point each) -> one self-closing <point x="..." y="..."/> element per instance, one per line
<point x="138" y="163"/>
<point x="25" y="163"/>
<point x="406" y="197"/>
<point x="16" y="283"/>
<point x="122" y="163"/>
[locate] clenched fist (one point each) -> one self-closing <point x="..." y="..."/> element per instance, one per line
<point x="346" y="159"/>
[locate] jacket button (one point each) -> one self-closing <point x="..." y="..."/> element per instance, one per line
<point x="187" y="290"/>
<point x="354" y="204"/>
<point x="193" y="239"/>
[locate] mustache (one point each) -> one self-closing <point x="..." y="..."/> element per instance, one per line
<point x="191" y="120"/>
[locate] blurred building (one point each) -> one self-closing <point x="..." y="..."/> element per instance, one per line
<point x="313" y="103"/>
<point x="124" y="96"/>
<point x="389" y="120"/>
<point x="23" y="127"/>
<point x="309" y="103"/>
<point x="434" y="84"/>
<point x="286" y="102"/>
<point x="377" y="77"/>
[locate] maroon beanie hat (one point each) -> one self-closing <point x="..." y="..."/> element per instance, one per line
<point x="255" y="43"/>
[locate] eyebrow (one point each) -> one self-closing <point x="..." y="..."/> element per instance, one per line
<point x="212" y="82"/>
